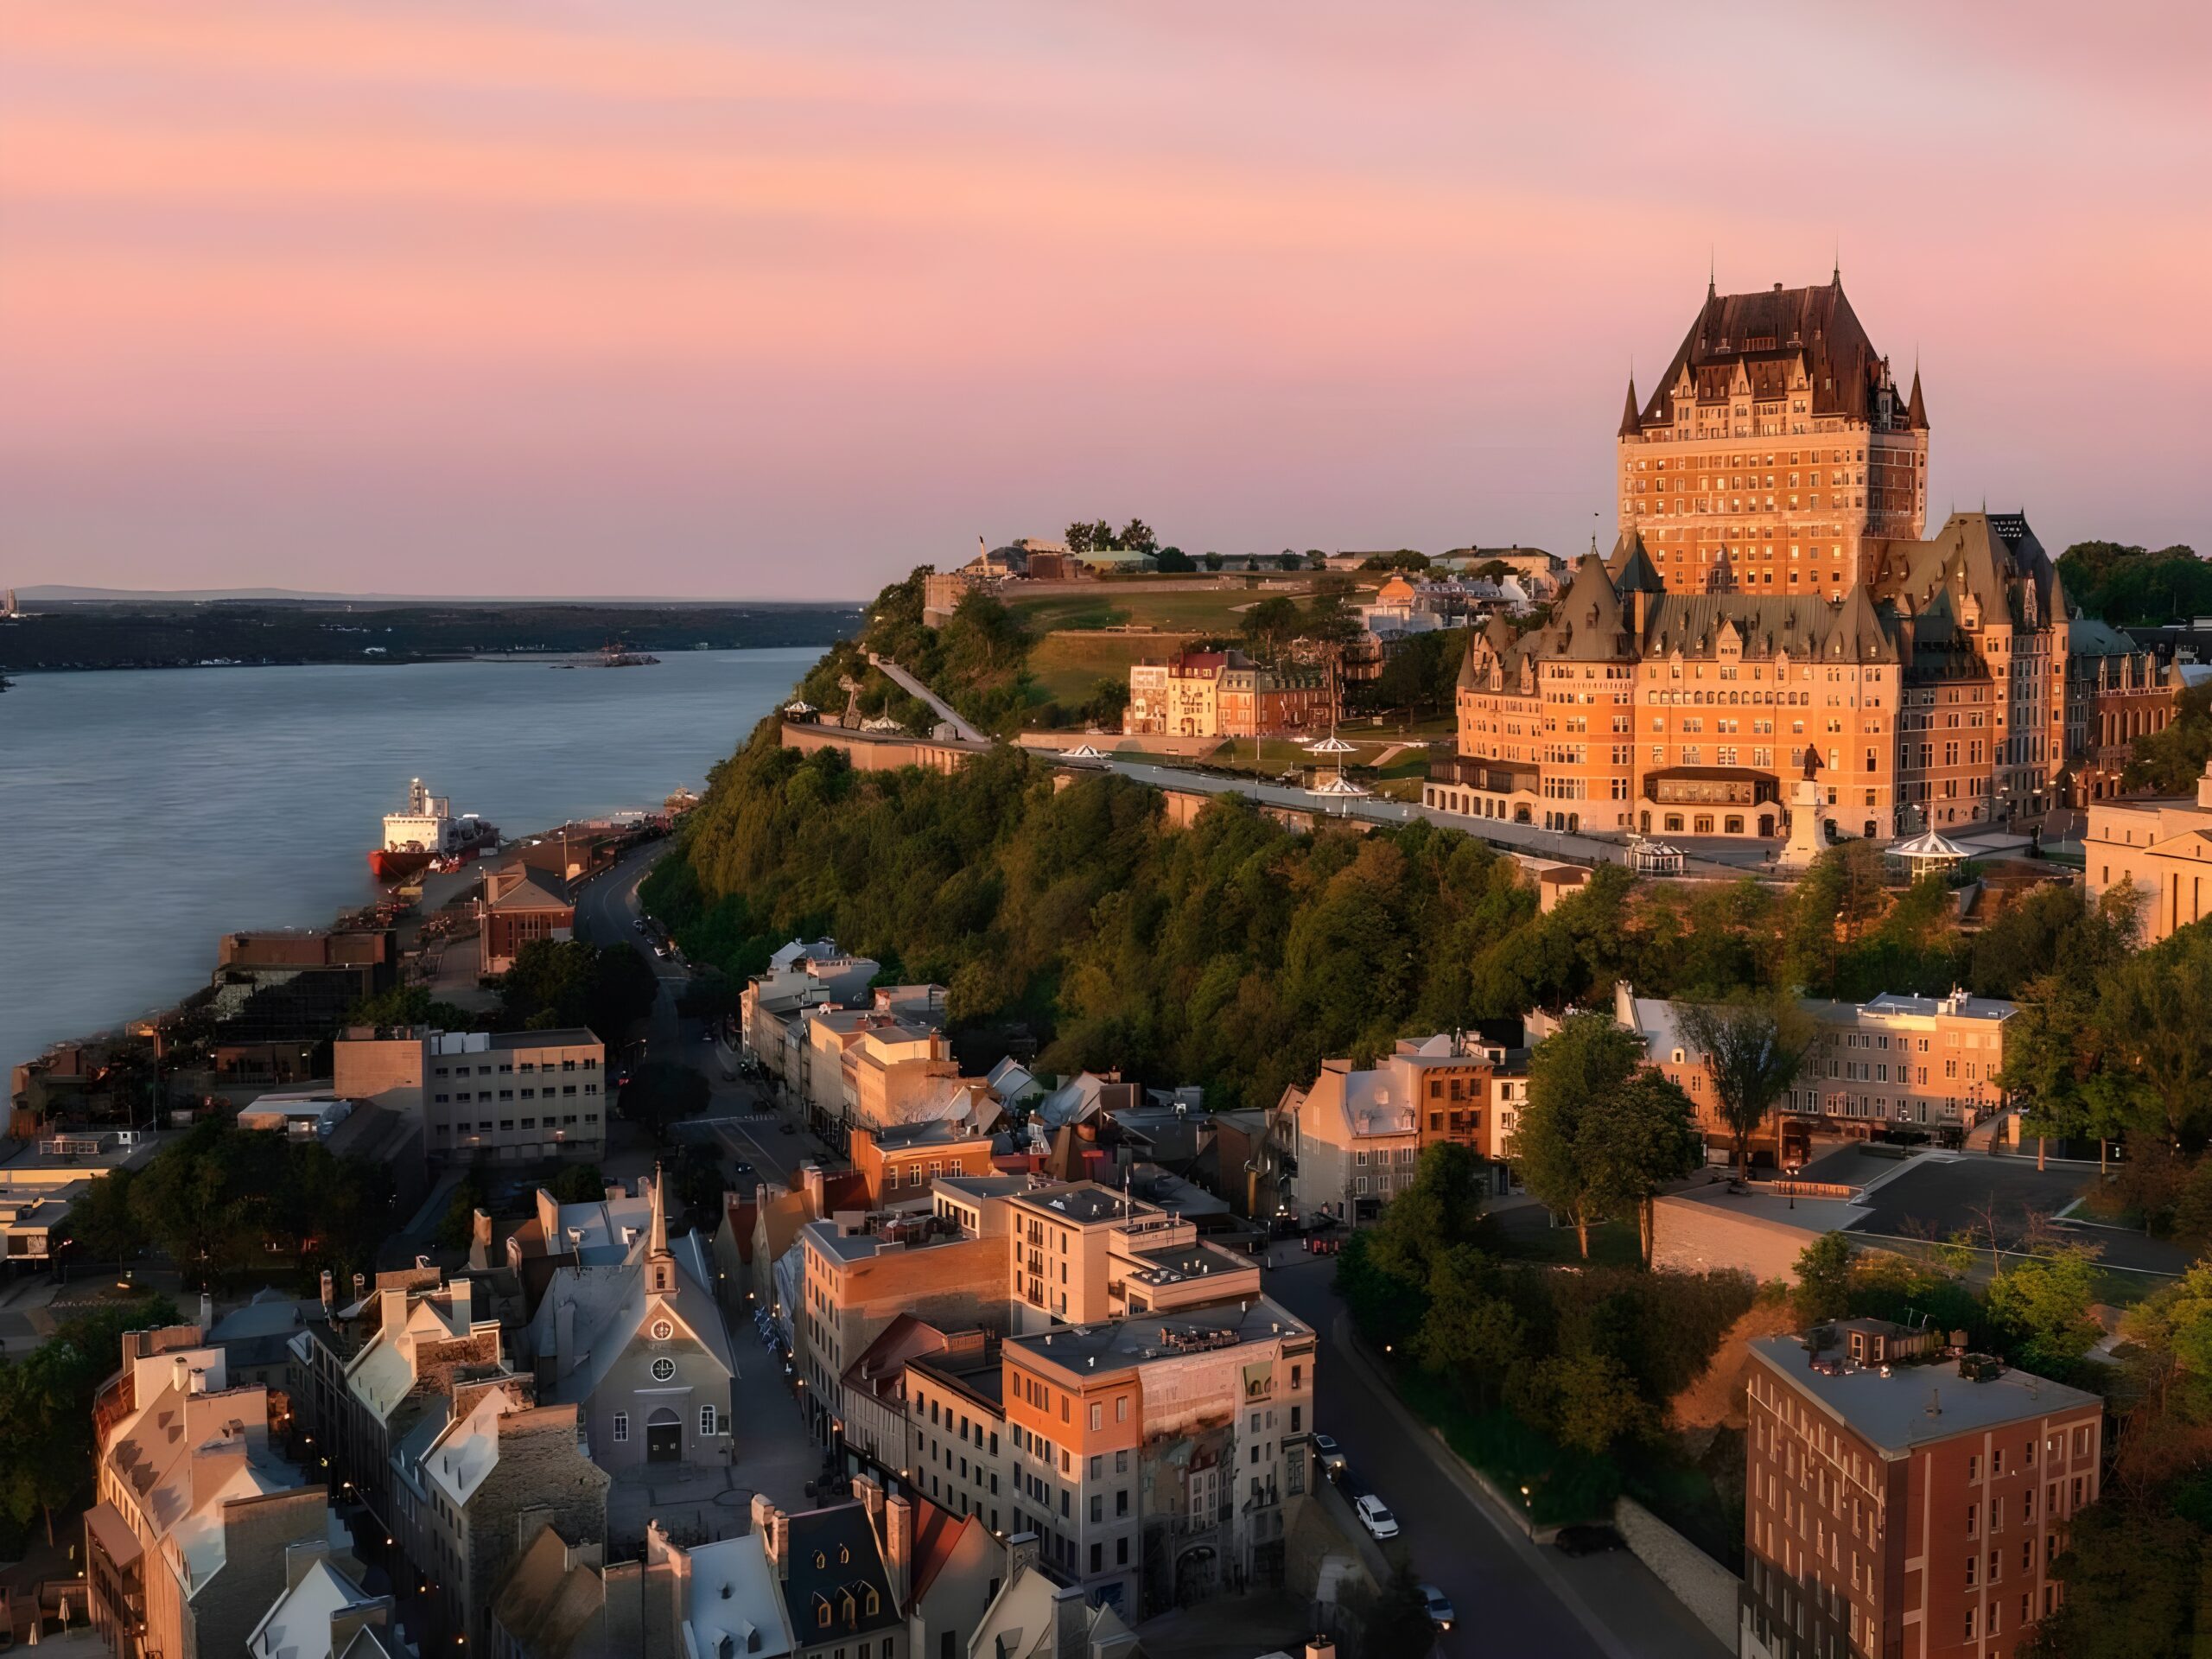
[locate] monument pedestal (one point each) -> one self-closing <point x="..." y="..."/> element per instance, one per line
<point x="1807" y="817"/>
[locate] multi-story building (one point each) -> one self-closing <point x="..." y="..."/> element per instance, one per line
<point x="1776" y="443"/>
<point x="1771" y="611"/>
<point x="2163" y="848"/>
<point x="801" y="975"/>
<point x="1353" y="1138"/>
<point x="195" y="1512"/>
<point x="1153" y="1456"/>
<point x="1895" y="1504"/>
<point x="1225" y="693"/>
<point x="464" y="1479"/>
<point x="899" y="1163"/>
<point x="857" y="1275"/>
<point x="1893" y="1061"/>
<point x="520" y="1095"/>
<point x="1952" y="689"/>
<point x="1082" y="1252"/>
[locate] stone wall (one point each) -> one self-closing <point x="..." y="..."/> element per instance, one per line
<point x="1690" y="1237"/>
<point x="1700" y="1583"/>
<point x="869" y="752"/>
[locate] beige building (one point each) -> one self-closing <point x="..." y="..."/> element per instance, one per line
<point x="1083" y="1253"/>
<point x="518" y="1096"/>
<point x="2164" y="847"/>
<point x="1225" y="693"/>
<point x="1776" y="444"/>
<point x="1895" y="1061"/>
<point x="195" y="1513"/>
<point x="1153" y="1457"/>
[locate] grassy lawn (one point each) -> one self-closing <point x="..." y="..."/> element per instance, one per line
<point x="1613" y="1244"/>
<point x="1203" y="609"/>
<point x="1068" y="666"/>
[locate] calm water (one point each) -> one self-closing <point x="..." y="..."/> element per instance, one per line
<point x="143" y="814"/>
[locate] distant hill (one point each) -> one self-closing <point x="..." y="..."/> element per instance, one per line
<point x="59" y="593"/>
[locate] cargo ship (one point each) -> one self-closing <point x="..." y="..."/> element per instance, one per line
<point x="427" y="833"/>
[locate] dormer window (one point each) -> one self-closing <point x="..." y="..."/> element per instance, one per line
<point x="872" y="1603"/>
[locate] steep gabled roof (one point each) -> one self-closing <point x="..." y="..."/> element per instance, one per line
<point x="1630" y="424"/>
<point x="1768" y="339"/>
<point x="1585" y="625"/>
<point x="1631" y="567"/>
<point x="1917" y="410"/>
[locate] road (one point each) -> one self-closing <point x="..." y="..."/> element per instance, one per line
<point x="1512" y="1596"/>
<point x="914" y="688"/>
<point x="606" y="911"/>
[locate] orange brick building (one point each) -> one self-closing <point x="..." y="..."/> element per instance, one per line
<point x="1776" y="443"/>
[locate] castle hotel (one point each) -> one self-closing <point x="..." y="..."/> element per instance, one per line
<point x="1772" y="610"/>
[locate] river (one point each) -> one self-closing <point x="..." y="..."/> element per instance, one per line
<point x="143" y="814"/>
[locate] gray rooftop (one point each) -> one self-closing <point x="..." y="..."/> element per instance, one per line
<point x="1893" y="1412"/>
<point x="1085" y="1202"/>
<point x="1134" y="1341"/>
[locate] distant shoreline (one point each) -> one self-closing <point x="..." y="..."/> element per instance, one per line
<point x="428" y="659"/>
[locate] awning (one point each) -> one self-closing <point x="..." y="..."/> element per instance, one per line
<point x="112" y="1534"/>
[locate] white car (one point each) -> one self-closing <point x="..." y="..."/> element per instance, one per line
<point x="1375" y="1518"/>
<point x="1439" y="1606"/>
<point x="1329" y="1455"/>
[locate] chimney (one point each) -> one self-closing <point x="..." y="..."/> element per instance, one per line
<point x="1070" y="1620"/>
<point x="196" y="1382"/>
<point x="898" y="1547"/>
<point x="206" y="1312"/>
<point x="392" y="1311"/>
<point x="181" y="1374"/>
<point x="479" y="1240"/>
<point x="813" y="1184"/>
<point x="462" y="1295"/>
<point x="330" y="1291"/>
<point x="775" y="1529"/>
<point x="1020" y="1553"/>
<point x="1321" y="1647"/>
<point x="360" y="1286"/>
<point x="869" y="1490"/>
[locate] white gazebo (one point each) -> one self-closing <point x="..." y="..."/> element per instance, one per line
<point x="800" y="709"/>
<point x="1083" y="752"/>
<point x="1927" y="853"/>
<point x="1654" y="857"/>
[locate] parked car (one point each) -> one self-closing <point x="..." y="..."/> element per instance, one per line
<point x="1439" y="1606"/>
<point x="639" y="924"/>
<point x="1330" y="1456"/>
<point x="1376" y="1516"/>
<point x="1588" y="1539"/>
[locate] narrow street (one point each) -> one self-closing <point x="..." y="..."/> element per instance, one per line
<point x="1512" y="1596"/>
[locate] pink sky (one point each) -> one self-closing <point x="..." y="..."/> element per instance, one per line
<point x="728" y="297"/>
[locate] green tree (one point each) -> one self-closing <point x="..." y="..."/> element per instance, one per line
<point x="1268" y="623"/>
<point x="2135" y="1587"/>
<point x="696" y="1183"/>
<point x="1644" y="1137"/>
<point x="412" y="1005"/>
<point x="558" y="983"/>
<point x="2153" y="1014"/>
<point x="1573" y="1074"/>
<point x="1136" y="537"/>
<point x="661" y="1095"/>
<point x="1592" y="1400"/>
<point x="457" y="1224"/>
<point x="1437" y="1212"/>
<point x="1174" y="561"/>
<point x="46" y="1408"/>
<point x="577" y="1183"/>
<point x="1823" y="1288"/>
<point x="1077" y="536"/>
<point x="2045" y="1301"/>
<point x="102" y="1222"/>
<point x="1753" y="1048"/>
<point x="1472" y="1334"/>
<point x="2169" y="761"/>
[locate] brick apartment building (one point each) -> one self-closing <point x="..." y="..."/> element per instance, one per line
<point x="521" y="903"/>
<point x="1898" y="1504"/>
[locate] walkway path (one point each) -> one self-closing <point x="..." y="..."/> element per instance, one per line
<point x="914" y="688"/>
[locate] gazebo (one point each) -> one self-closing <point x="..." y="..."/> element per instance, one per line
<point x="1654" y="858"/>
<point x="1082" y="752"/>
<point x="1927" y="853"/>
<point x="800" y="709"/>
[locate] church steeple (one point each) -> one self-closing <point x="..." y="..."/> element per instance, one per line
<point x="660" y="1264"/>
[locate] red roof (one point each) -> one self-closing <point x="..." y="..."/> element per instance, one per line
<point x="937" y="1532"/>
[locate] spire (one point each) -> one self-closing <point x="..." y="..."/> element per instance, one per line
<point x="660" y="1265"/>
<point x="1631" y="424"/>
<point x="1835" y="275"/>
<point x="1711" y="272"/>
<point x="1916" y="411"/>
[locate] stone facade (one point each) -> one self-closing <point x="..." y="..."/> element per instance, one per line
<point x="1225" y="693"/>
<point x="2163" y="848"/>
